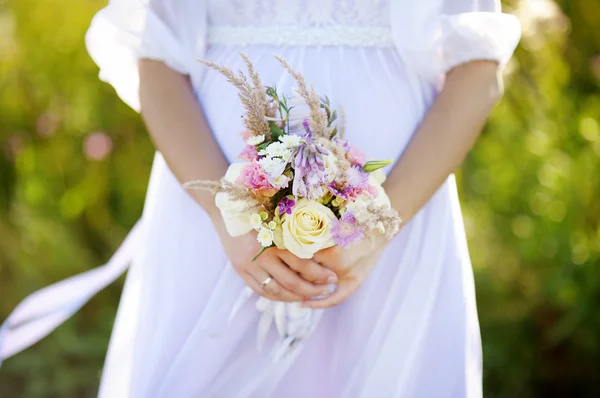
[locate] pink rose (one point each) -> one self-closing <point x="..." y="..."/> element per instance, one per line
<point x="254" y="177"/>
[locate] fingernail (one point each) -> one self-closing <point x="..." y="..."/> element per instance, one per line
<point x="325" y="292"/>
<point x="332" y="279"/>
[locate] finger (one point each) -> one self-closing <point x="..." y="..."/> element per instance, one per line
<point x="331" y="258"/>
<point x="272" y="290"/>
<point x="343" y="291"/>
<point x="291" y="280"/>
<point x="308" y="269"/>
<point x="254" y="285"/>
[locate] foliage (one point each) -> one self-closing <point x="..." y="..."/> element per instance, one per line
<point x="529" y="192"/>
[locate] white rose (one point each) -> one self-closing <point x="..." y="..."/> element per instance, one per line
<point x="237" y="220"/>
<point x="379" y="176"/>
<point x="306" y="230"/>
<point x="382" y="199"/>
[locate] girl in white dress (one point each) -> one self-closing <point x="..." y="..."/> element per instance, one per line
<point x="416" y="79"/>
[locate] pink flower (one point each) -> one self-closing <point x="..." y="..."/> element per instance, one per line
<point x="372" y="190"/>
<point x="249" y="153"/>
<point x="246" y="134"/>
<point x="254" y="177"/>
<point x="97" y="146"/>
<point x="355" y="155"/>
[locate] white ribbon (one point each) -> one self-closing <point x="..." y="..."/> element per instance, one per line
<point x="46" y="309"/>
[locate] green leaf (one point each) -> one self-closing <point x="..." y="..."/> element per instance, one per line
<point x="373" y="165"/>
<point x="334" y="132"/>
<point x="261" y="252"/>
<point x="262" y="146"/>
<point x="333" y="117"/>
<point x="276" y="132"/>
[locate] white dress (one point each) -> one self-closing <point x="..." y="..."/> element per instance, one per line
<point x="411" y="329"/>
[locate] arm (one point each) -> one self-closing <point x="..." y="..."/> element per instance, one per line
<point x="447" y="133"/>
<point x="180" y="132"/>
<point x="440" y="144"/>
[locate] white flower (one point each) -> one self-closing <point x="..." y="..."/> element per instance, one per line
<point x="256" y="140"/>
<point x="274" y="167"/>
<point x="280" y="182"/>
<point x="265" y="237"/>
<point x="236" y="218"/>
<point x="358" y="207"/>
<point x="291" y="141"/>
<point x="272" y="225"/>
<point x="255" y="221"/>
<point x="277" y="149"/>
<point x="381" y="199"/>
<point x="379" y="176"/>
<point x="330" y="167"/>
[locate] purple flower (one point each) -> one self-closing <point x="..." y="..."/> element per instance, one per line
<point x="285" y="205"/>
<point x="306" y="126"/>
<point x="345" y="231"/>
<point x="357" y="179"/>
<point x="309" y="169"/>
<point x="342" y="193"/>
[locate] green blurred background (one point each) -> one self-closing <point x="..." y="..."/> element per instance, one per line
<point x="74" y="163"/>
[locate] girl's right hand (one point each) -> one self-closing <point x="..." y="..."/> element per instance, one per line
<point x="292" y="278"/>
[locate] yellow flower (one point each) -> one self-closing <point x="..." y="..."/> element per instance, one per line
<point x="306" y="230"/>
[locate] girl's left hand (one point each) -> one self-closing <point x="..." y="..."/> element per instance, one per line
<point x="352" y="266"/>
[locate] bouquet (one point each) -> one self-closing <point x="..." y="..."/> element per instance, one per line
<point x="301" y="186"/>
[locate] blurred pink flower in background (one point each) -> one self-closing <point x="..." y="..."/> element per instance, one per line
<point x="47" y="124"/>
<point x="97" y="146"/>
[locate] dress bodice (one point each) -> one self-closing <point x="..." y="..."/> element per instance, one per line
<point x="305" y="13"/>
<point x="300" y="22"/>
<point x="430" y="36"/>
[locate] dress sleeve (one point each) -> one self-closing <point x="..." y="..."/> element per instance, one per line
<point x="171" y="31"/>
<point x="435" y="39"/>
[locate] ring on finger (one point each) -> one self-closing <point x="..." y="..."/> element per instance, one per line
<point x="266" y="282"/>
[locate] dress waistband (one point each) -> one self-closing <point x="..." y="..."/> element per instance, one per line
<point x="351" y="36"/>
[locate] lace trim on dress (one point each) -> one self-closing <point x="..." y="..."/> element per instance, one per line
<point x="352" y="36"/>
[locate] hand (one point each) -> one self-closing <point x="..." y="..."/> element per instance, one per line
<point x="352" y="267"/>
<point x="293" y="278"/>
